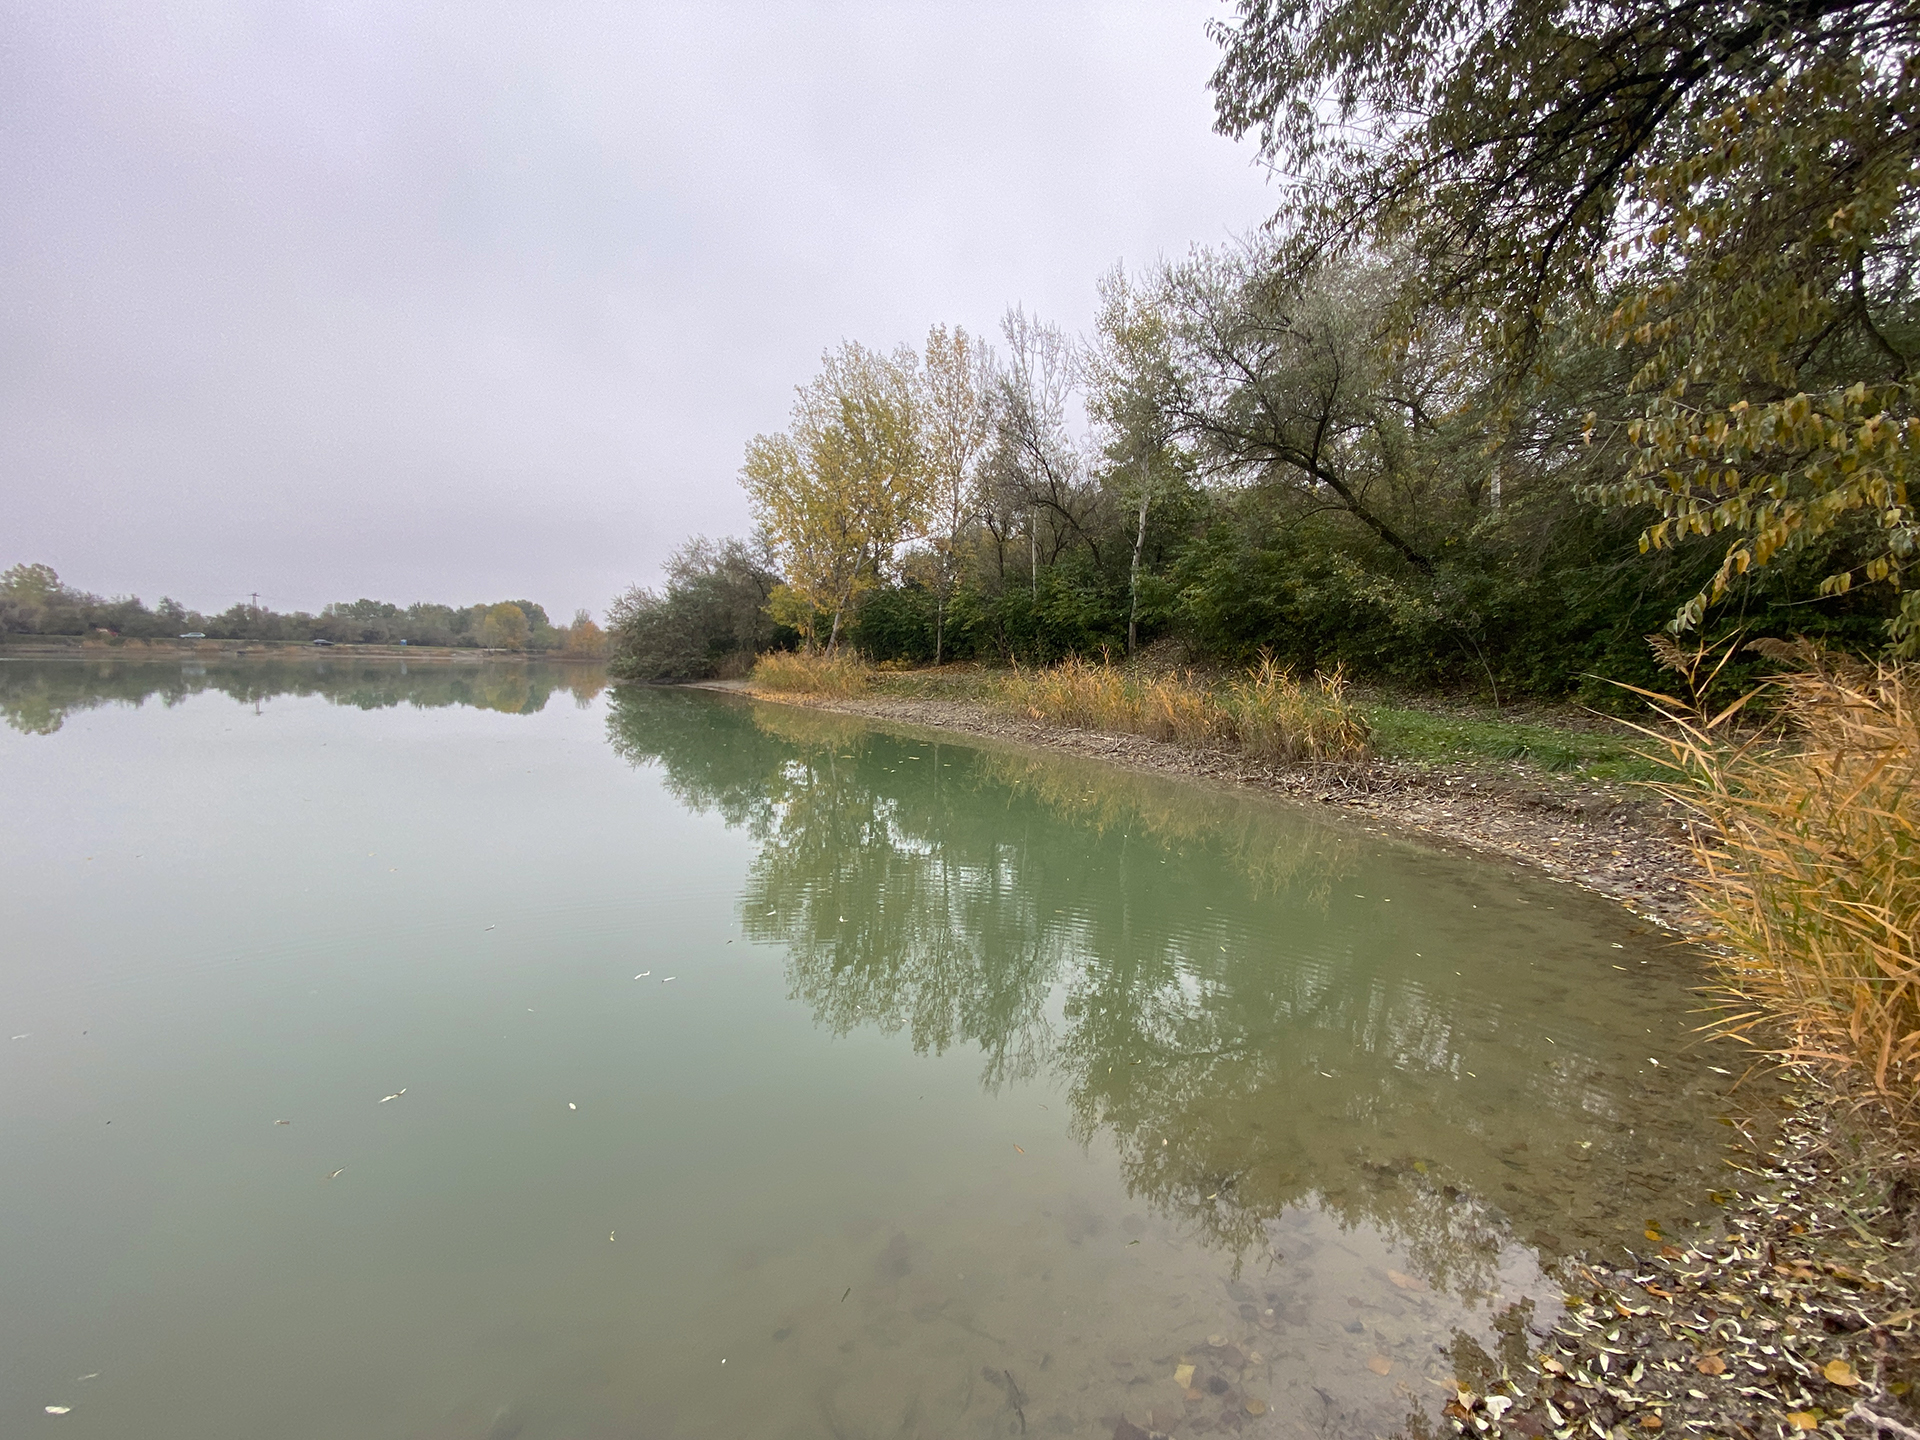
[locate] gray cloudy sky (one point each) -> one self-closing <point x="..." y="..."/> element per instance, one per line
<point x="457" y="301"/>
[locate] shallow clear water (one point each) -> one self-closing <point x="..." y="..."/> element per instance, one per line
<point x="960" y="1091"/>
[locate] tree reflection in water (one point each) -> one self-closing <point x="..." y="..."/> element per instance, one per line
<point x="37" y="696"/>
<point x="1219" y="986"/>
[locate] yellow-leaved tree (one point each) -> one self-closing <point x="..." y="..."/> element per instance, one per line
<point x="841" y="490"/>
<point x="505" y="628"/>
<point x="956" y="423"/>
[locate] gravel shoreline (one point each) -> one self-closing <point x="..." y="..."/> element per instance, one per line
<point x="1799" y="1318"/>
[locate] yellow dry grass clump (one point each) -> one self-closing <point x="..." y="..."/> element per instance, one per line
<point x="1812" y="859"/>
<point x="1267" y="712"/>
<point x="836" y="674"/>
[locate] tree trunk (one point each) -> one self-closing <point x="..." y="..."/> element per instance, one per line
<point x="1133" y="580"/>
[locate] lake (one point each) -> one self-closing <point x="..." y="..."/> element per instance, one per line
<point x="475" y="1051"/>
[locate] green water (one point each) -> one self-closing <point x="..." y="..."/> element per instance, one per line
<point x="766" y="1074"/>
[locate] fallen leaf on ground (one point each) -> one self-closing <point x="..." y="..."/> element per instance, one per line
<point x="1183" y="1376"/>
<point x="1256" y="1407"/>
<point x="1379" y="1364"/>
<point x="1803" y="1420"/>
<point x="1839" y="1372"/>
<point x="1710" y="1365"/>
<point x="1651" y="1422"/>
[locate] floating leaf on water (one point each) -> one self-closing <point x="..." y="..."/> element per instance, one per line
<point x="1216" y="1341"/>
<point x="572" y="1106"/>
<point x="1379" y="1364"/>
<point x="1018" y="1148"/>
<point x="643" y="975"/>
<point x="283" y="1122"/>
<point x="338" y="1173"/>
<point x="1183" y="1376"/>
<point x="1406" y="1282"/>
<point x="1255" y="1407"/>
<point x="59" y="1409"/>
<point x="1839" y="1372"/>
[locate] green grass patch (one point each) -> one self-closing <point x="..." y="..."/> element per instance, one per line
<point x="1438" y="739"/>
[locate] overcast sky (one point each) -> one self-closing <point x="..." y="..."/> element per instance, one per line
<point x="463" y="301"/>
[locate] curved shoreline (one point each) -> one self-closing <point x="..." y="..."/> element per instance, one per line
<point x="1616" y="840"/>
<point x="1802" y="1317"/>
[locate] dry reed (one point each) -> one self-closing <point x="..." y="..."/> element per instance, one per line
<point x="1812" y="869"/>
<point x="1267" y="712"/>
<point x="836" y="674"/>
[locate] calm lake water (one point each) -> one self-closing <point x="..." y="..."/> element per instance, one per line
<point x="656" y="1063"/>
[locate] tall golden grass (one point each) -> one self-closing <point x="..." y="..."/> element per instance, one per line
<point x="836" y="674"/>
<point x="1811" y="854"/>
<point x="1268" y="711"/>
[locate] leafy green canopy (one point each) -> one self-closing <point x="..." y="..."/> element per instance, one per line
<point x="1727" y="191"/>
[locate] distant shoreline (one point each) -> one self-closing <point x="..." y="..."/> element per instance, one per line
<point x="86" y="647"/>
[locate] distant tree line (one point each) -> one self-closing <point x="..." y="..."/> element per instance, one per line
<point x="35" y="601"/>
<point x="1575" y="323"/>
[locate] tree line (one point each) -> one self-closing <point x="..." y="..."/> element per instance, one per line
<point x="35" y="601"/>
<point x="1573" y="323"/>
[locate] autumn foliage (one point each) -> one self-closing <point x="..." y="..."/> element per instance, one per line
<point x="1811" y="854"/>
<point x="1267" y="711"/>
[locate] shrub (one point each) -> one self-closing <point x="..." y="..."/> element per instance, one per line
<point x="792" y="672"/>
<point x="1812" y="858"/>
<point x="1278" y="717"/>
<point x="1266" y="712"/>
<point x="714" y="608"/>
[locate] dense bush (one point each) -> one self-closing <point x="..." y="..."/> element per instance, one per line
<point x="712" y="614"/>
